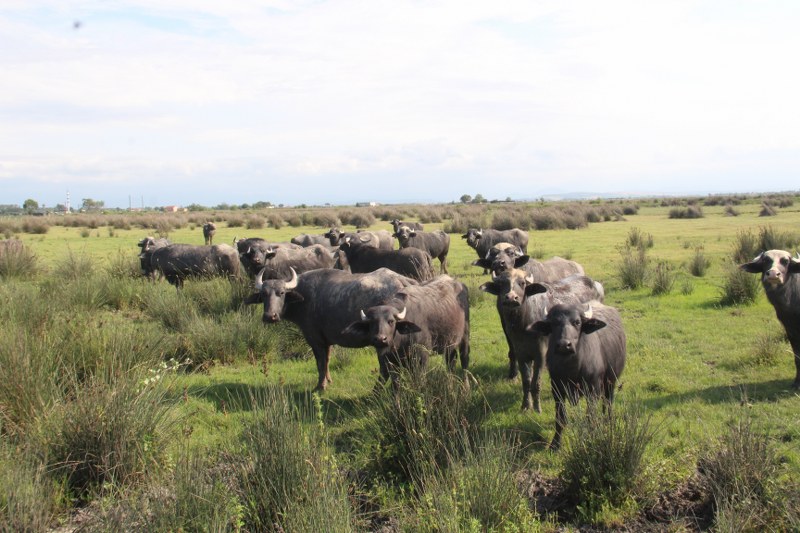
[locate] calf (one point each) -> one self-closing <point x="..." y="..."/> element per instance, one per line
<point x="322" y="303"/>
<point x="411" y="262"/>
<point x="520" y="302"/>
<point x="432" y="316"/>
<point x="436" y="243"/>
<point x="585" y="354"/>
<point x="780" y="277"/>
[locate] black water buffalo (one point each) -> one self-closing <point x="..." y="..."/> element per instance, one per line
<point x="306" y="239"/>
<point x="176" y="262"/>
<point x="397" y="224"/>
<point x="252" y="252"/>
<point x="376" y="239"/>
<point x="482" y="240"/>
<point x="411" y="262"/>
<point x="278" y="263"/>
<point x="520" y="302"/>
<point x="209" y="229"/>
<point x="780" y="277"/>
<point x="148" y="246"/>
<point x="585" y="354"/>
<point x="431" y="316"/>
<point x="436" y="243"/>
<point x="322" y="303"/>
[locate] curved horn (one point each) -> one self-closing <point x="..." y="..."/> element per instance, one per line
<point x="545" y="311"/>
<point x="260" y="279"/>
<point x="236" y="240"/>
<point x="292" y="283"/>
<point x="363" y="316"/>
<point x="402" y="314"/>
<point x="589" y="313"/>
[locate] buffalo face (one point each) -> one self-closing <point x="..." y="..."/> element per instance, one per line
<point x="512" y="287"/>
<point x="564" y="326"/>
<point x="275" y="294"/>
<point x="380" y="324"/>
<point x="473" y="236"/>
<point x="774" y="267"/>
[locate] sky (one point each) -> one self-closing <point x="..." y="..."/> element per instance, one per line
<point x="163" y="102"/>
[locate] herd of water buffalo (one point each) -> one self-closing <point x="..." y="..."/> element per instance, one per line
<point x="357" y="290"/>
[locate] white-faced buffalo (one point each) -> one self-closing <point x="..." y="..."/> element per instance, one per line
<point x="585" y="355"/>
<point x="148" y="246"/>
<point x="520" y="302"/>
<point x="397" y="224"/>
<point x="278" y="263"/>
<point x="252" y="252"/>
<point x="780" y="276"/>
<point x="431" y="316"/>
<point x="482" y="240"/>
<point x="176" y="262"/>
<point x="436" y="243"/>
<point x="306" y="239"/>
<point x="322" y="303"/>
<point x="411" y="262"/>
<point x="376" y="239"/>
<point x="209" y="229"/>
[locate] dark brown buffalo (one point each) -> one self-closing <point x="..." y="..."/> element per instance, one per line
<point x="176" y="262"/>
<point x="411" y="262"/>
<point x="436" y="243"/>
<point x="482" y="240"/>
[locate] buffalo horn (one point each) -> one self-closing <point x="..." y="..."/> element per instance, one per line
<point x="402" y="314"/>
<point x="589" y="313"/>
<point x="260" y="279"/>
<point x="363" y="316"/>
<point x="292" y="283"/>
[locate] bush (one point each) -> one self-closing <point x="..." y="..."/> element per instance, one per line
<point x="633" y="268"/>
<point x="692" y="211"/>
<point x="746" y="246"/>
<point x="663" y="278"/>
<point x="767" y="211"/>
<point x="324" y="219"/>
<point x="16" y="260"/>
<point x="772" y="239"/>
<point x="739" y="287"/>
<point x="362" y="219"/>
<point x="699" y="263"/>
<point x="275" y="220"/>
<point x="604" y="459"/>
<point x="35" y="225"/>
<point x="639" y="239"/>
<point x="254" y="222"/>
<point x="731" y="211"/>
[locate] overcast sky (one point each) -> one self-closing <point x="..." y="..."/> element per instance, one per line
<point x="209" y="101"/>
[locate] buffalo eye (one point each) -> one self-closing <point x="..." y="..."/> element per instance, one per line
<point x="576" y="323"/>
<point x="784" y="261"/>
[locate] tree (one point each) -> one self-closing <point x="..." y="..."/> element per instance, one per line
<point x="479" y="199"/>
<point x="88" y="204"/>
<point x="465" y="198"/>
<point x="30" y="205"/>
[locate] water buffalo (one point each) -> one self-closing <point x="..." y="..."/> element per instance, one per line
<point x="436" y="243"/>
<point x="397" y="224"/>
<point x="252" y="252"/>
<point x="176" y="262"/>
<point x="306" y="239"/>
<point x="585" y="354"/>
<point x="482" y="240"/>
<point x="376" y="239"/>
<point x="431" y="316"/>
<point x="148" y="246"/>
<point x="411" y="262"/>
<point x="209" y="229"/>
<point x="277" y="263"/>
<point x="780" y="277"/>
<point x="322" y="303"/>
<point x="520" y="302"/>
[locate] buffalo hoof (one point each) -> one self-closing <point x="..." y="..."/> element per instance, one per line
<point x="527" y="405"/>
<point x="796" y="385"/>
<point x="537" y="406"/>
<point x="555" y="445"/>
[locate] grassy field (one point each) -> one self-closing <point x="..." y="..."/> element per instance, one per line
<point x="696" y="368"/>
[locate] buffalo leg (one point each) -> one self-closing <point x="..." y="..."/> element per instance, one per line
<point x="463" y="352"/>
<point x="512" y="358"/>
<point x="323" y="355"/>
<point x="795" y="342"/>
<point x="443" y="261"/>
<point x="525" y="370"/>
<point x="561" y="421"/>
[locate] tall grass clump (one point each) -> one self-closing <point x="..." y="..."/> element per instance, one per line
<point x="742" y="473"/>
<point x="604" y="460"/>
<point x="275" y="220"/>
<point x="767" y="211"/>
<point x="699" y="263"/>
<point x="426" y="420"/>
<point x="478" y="492"/>
<point x="633" y="268"/>
<point x="691" y="211"/>
<point x="731" y="211"/>
<point x="663" y="278"/>
<point x="287" y="475"/>
<point x="746" y="246"/>
<point x="738" y="287"/>
<point x="29" y="499"/>
<point x="639" y="239"/>
<point x="255" y="222"/>
<point x="74" y="266"/>
<point x="773" y="239"/>
<point x="17" y="260"/>
<point x="35" y="225"/>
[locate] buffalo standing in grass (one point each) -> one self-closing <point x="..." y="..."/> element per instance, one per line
<point x="411" y="262"/>
<point x="252" y="252"/>
<point x="780" y="276"/>
<point x="176" y="262"/>
<point x="431" y="316"/>
<point x="436" y="243"/>
<point x="306" y="239"/>
<point x="322" y="303"/>
<point x="278" y="263"/>
<point x="376" y="239"/>
<point x="148" y="246"/>
<point x="585" y="355"/>
<point x="520" y="302"/>
<point x="209" y="230"/>
<point x="482" y="240"/>
<point x="397" y="224"/>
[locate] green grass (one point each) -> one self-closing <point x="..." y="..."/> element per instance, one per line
<point x="690" y="359"/>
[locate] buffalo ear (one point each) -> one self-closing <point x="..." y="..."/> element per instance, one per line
<point x="756" y="266"/>
<point x="491" y="287"/>
<point x="293" y="297"/>
<point x="535" y="288"/>
<point x="254" y="298"/>
<point x="413" y="233"/>
<point x="484" y="263"/>
<point x="794" y="266"/>
<point x="359" y="328"/>
<point x="464" y="236"/>
<point x="406" y="327"/>
<point x="592" y="324"/>
<point x="542" y="327"/>
<point x="521" y="261"/>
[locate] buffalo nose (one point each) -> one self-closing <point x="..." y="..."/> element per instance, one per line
<point x="566" y="347"/>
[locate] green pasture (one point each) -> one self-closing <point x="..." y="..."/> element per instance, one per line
<point x="693" y="364"/>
